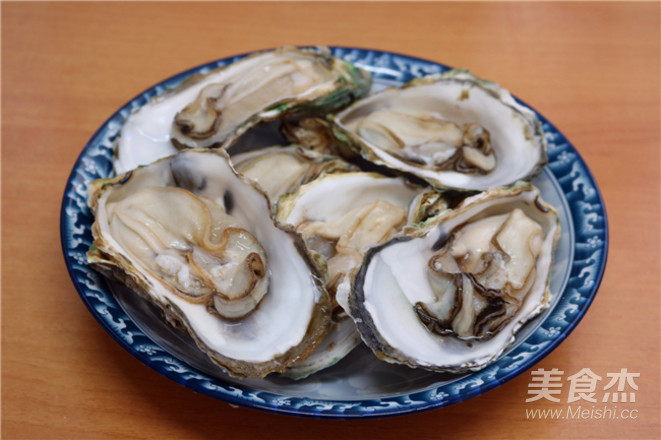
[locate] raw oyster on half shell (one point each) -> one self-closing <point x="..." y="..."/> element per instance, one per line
<point x="215" y="108"/>
<point x="452" y="130"/>
<point x="341" y="216"/>
<point x="198" y="241"/>
<point x="280" y="170"/>
<point x="450" y="296"/>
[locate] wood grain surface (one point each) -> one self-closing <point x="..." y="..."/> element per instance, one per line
<point x="590" y="68"/>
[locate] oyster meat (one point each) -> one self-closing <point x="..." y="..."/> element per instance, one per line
<point x="198" y="241"/>
<point x="450" y="296"/>
<point x="280" y="170"/>
<point x="215" y="108"/>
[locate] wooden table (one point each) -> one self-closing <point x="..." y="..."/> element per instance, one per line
<point x="592" y="69"/>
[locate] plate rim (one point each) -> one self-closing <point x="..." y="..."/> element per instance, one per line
<point x="399" y="404"/>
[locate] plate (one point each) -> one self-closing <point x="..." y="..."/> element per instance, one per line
<point x="360" y="385"/>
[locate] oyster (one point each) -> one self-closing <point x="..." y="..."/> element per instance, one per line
<point x="280" y="170"/>
<point x="452" y="130"/>
<point x="450" y="296"/>
<point x="215" y="108"/>
<point x="341" y="216"/>
<point x="197" y="240"/>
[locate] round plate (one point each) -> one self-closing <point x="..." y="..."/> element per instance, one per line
<point x="375" y="388"/>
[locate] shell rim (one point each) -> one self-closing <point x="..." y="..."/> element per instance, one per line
<point x="391" y="405"/>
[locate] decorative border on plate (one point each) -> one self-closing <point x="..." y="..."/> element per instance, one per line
<point x="572" y="174"/>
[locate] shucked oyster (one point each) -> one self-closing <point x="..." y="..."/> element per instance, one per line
<point x="341" y="216"/>
<point x="198" y="241"/>
<point x="280" y="170"/>
<point x="451" y="296"/>
<point x="215" y="108"/>
<point x="452" y="130"/>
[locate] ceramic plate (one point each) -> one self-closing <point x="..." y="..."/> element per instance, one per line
<point x="359" y="385"/>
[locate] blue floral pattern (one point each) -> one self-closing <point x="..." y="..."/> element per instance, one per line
<point x="362" y="395"/>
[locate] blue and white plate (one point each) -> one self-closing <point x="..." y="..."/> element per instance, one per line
<point x="359" y="385"/>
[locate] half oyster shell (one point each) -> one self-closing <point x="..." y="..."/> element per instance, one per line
<point x="452" y="130"/>
<point x="198" y="241"/>
<point x="215" y="108"/>
<point x="280" y="170"/>
<point x="341" y="216"/>
<point x="451" y="296"/>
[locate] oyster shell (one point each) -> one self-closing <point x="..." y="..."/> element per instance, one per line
<point x="341" y="339"/>
<point x="215" y="108"/>
<point x="280" y="170"/>
<point x="452" y="130"/>
<point x="341" y="216"/>
<point x="452" y="295"/>
<point x="197" y="240"/>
